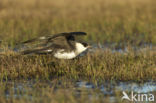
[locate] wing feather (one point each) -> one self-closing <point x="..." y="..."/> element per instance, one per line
<point x="48" y="44"/>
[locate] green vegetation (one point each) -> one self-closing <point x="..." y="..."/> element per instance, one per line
<point x="121" y="23"/>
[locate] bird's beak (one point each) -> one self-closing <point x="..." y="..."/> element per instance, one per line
<point x="89" y="46"/>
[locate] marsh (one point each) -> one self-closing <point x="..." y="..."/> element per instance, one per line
<point x="123" y="57"/>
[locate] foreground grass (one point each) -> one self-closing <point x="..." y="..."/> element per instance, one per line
<point x="100" y="65"/>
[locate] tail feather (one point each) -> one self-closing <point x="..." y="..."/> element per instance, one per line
<point x="37" y="51"/>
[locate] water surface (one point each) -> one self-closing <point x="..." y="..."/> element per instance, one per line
<point x="21" y="88"/>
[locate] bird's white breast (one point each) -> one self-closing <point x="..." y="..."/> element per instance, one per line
<point x="60" y="54"/>
<point x="65" y="55"/>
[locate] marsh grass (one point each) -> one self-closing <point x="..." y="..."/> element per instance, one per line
<point x="100" y="65"/>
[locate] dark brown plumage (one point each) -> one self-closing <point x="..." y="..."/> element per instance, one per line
<point x="51" y="44"/>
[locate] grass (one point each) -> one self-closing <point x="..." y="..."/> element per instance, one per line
<point x="120" y="23"/>
<point x="101" y="65"/>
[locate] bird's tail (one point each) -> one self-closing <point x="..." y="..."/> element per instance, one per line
<point x="36" y="51"/>
<point x="25" y="52"/>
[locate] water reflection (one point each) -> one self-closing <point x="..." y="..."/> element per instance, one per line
<point x="110" y="46"/>
<point x="20" y="89"/>
<point x="106" y="88"/>
<point x="110" y="88"/>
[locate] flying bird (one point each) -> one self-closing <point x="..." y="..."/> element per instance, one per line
<point x="61" y="46"/>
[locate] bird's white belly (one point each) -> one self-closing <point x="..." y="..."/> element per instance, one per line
<point x="65" y="55"/>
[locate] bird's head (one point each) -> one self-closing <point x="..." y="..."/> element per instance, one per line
<point x="81" y="47"/>
<point x="86" y="45"/>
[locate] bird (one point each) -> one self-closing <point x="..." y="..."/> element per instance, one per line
<point x="61" y="45"/>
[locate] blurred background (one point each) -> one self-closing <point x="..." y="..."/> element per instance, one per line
<point x="116" y="22"/>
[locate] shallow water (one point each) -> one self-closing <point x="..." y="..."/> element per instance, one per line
<point x="112" y="47"/>
<point x="124" y="49"/>
<point x="20" y="89"/>
<point x="109" y="88"/>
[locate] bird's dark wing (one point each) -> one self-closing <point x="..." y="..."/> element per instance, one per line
<point x="78" y="33"/>
<point x="65" y="39"/>
<point x="49" y="44"/>
<point x="52" y="46"/>
<point x="42" y="50"/>
<point x="44" y="38"/>
<point x="68" y="36"/>
<point x="45" y="49"/>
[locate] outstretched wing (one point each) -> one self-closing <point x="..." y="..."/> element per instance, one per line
<point x="69" y="36"/>
<point x="49" y="44"/>
<point x="44" y="38"/>
<point x="42" y="50"/>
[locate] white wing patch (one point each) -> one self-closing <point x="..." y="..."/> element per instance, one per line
<point x="65" y="55"/>
<point x="42" y="37"/>
<point x="49" y="50"/>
